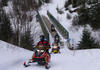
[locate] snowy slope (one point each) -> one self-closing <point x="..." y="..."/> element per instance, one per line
<point x="12" y="58"/>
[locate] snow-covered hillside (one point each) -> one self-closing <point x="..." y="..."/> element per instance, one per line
<point x="12" y="58"/>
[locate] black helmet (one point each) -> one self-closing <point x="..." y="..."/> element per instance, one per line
<point x="52" y="25"/>
<point x="42" y="37"/>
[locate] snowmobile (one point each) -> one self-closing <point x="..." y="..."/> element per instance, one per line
<point x="55" y="48"/>
<point x="41" y="57"/>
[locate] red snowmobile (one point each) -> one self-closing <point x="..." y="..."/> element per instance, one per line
<point x="41" y="57"/>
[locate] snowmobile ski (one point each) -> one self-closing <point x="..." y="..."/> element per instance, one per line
<point x="26" y="64"/>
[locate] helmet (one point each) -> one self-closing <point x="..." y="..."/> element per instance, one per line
<point x="52" y="25"/>
<point x="42" y="37"/>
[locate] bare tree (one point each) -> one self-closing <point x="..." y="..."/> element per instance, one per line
<point x="22" y="16"/>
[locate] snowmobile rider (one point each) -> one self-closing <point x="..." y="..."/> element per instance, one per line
<point x="52" y="28"/>
<point x="41" y="54"/>
<point x="57" y="38"/>
<point x="44" y="43"/>
<point x="55" y="48"/>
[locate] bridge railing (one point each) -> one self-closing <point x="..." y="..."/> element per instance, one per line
<point x="42" y="24"/>
<point x="60" y="28"/>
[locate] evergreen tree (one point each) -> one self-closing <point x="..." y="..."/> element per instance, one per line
<point x="67" y="3"/>
<point x="27" y="41"/>
<point x="40" y="3"/>
<point x="89" y="16"/>
<point x="5" y="27"/>
<point x="4" y="2"/>
<point x="47" y="1"/>
<point x="94" y="16"/>
<point x="87" y="41"/>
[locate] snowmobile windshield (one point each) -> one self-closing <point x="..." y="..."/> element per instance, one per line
<point x="54" y="46"/>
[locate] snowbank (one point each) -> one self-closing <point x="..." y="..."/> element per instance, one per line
<point x="12" y="58"/>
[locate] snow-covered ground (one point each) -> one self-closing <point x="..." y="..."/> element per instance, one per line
<point x="12" y="58"/>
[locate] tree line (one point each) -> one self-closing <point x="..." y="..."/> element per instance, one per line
<point x="88" y="14"/>
<point x="16" y="27"/>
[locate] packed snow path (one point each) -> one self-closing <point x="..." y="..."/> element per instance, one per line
<point x="12" y="58"/>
